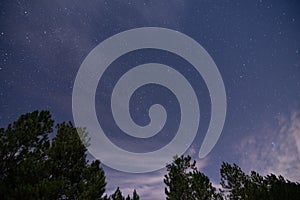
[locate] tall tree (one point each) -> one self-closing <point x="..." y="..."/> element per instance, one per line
<point x="135" y="195"/>
<point x="185" y="182"/>
<point x="237" y="185"/>
<point x="280" y="188"/>
<point x="23" y="152"/>
<point x="34" y="167"/>
<point x="233" y="181"/>
<point x="117" y="195"/>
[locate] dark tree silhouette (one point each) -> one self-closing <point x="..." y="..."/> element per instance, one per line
<point x="233" y="181"/>
<point x="185" y="182"/>
<point x="117" y="195"/>
<point x="237" y="185"/>
<point x="135" y="195"/>
<point x="33" y="166"/>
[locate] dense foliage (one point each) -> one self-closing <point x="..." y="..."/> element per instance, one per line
<point x="33" y="166"/>
<point x="237" y="185"/>
<point x="40" y="161"/>
<point x="185" y="182"/>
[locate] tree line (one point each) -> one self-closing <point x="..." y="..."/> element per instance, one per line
<point x="41" y="160"/>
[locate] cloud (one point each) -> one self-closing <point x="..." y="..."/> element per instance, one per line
<point x="275" y="149"/>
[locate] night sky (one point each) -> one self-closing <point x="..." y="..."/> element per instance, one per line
<point x="255" y="45"/>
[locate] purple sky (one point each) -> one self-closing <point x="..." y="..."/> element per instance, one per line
<point x="255" y="44"/>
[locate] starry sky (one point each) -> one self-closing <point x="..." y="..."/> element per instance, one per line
<point x="254" y="43"/>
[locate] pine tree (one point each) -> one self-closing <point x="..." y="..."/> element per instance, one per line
<point x="185" y="182"/>
<point x="34" y="167"/>
<point x="117" y="195"/>
<point x="135" y="196"/>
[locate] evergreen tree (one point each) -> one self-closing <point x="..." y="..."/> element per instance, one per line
<point x="135" y="196"/>
<point x="34" y="167"/>
<point x="23" y="152"/>
<point x="185" y="182"/>
<point x="237" y="185"/>
<point x="233" y="181"/>
<point x="117" y="195"/>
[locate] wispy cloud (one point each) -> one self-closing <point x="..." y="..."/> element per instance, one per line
<point x="275" y="149"/>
